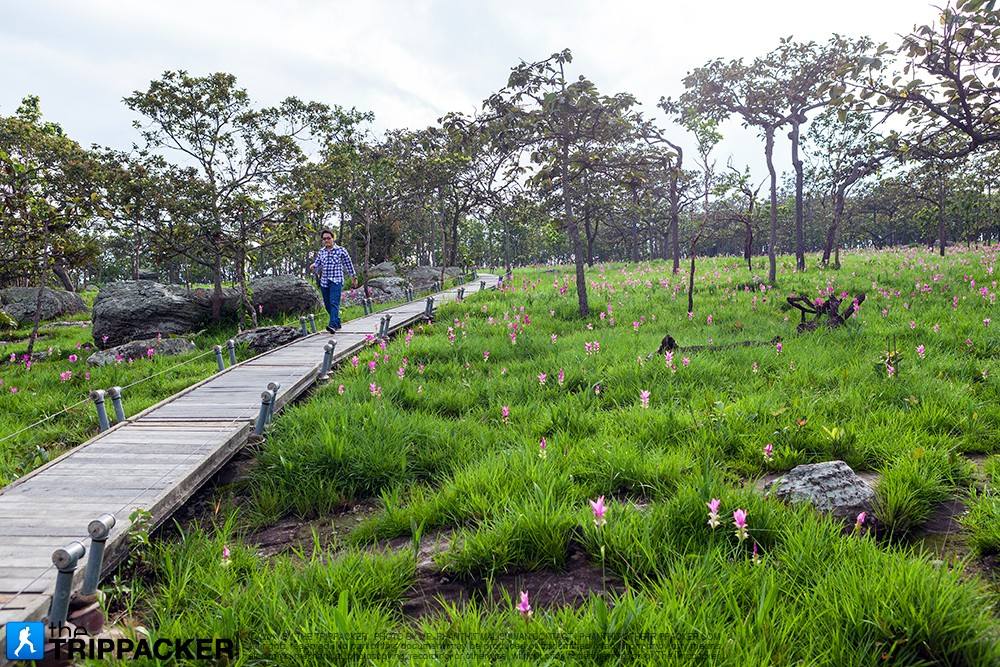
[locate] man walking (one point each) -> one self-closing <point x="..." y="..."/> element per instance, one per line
<point x="331" y="263"/>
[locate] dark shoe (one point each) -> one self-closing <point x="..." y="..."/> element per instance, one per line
<point x="338" y="327"/>
<point x="331" y="330"/>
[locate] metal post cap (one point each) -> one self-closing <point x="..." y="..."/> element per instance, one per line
<point x="100" y="527"/>
<point x="115" y="392"/>
<point x="265" y="397"/>
<point x="273" y="386"/>
<point x="97" y="395"/>
<point x="66" y="557"/>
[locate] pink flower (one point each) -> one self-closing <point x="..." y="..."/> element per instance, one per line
<point x="486" y="355"/>
<point x="599" y="510"/>
<point x="72" y="358"/>
<point x="505" y="413"/>
<point x="355" y="361"/>
<point x="542" y="447"/>
<point x="740" y="522"/>
<point x="104" y="339"/>
<point x="754" y="367"/>
<point x="371" y="366"/>
<point x="542" y="377"/>
<point x="913" y="324"/>
<point x="690" y="315"/>
<point x="375" y="390"/>
<point x="401" y="372"/>
<point x="524" y="606"/>
<point x="713" y="512"/>
<point x="920" y="351"/>
<point x="778" y="347"/>
<point x="150" y="352"/>
<point x="936" y="328"/>
<point x="225" y="556"/>
<point x="553" y="338"/>
<point x="986" y="322"/>
<point x="768" y="451"/>
<point x="560" y="377"/>
<point x="13" y="390"/>
<point x="708" y="320"/>
<point x="685" y="362"/>
<point x="890" y="370"/>
<point x="86" y="376"/>
<point x="644" y="398"/>
<point x="66" y="376"/>
<point x="340" y="390"/>
<point x="503" y="371"/>
<point x="860" y="521"/>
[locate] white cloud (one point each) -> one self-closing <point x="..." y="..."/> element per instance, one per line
<point x="409" y="62"/>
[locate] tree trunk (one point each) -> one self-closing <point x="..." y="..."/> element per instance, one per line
<point x="694" y="244"/>
<point x="941" y="201"/>
<point x="634" y="251"/>
<point x="573" y="229"/>
<point x="800" y="243"/>
<point x="217" y="284"/>
<point x="831" y="233"/>
<point x="60" y="271"/>
<point x="675" y="218"/>
<point x="772" y="269"/>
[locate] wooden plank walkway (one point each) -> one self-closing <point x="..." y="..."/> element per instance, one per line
<point x="157" y="459"/>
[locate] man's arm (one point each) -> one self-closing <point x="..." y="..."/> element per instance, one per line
<point x="348" y="264"/>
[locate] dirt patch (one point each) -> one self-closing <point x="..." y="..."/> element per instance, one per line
<point x="294" y="533"/>
<point x="547" y="588"/>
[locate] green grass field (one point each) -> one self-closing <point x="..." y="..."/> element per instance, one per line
<point x="441" y="434"/>
<point x="31" y="394"/>
<point x="438" y="440"/>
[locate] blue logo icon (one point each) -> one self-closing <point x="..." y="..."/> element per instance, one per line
<point x="25" y="641"/>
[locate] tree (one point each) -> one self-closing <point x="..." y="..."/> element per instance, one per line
<point x="845" y="150"/>
<point x="49" y="198"/>
<point x="720" y="89"/>
<point x="707" y="136"/>
<point x="246" y="161"/>
<point x="553" y="116"/>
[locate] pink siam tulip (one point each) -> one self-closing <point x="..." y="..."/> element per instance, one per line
<point x="505" y="413"/>
<point x="543" y="448"/>
<point x="778" y="348"/>
<point x="685" y="362"/>
<point x="768" y="451"/>
<point x="372" y="365"/>
<point x="920" y="351"/>
<point x="66" y="376"/>
<point x="355" y="361"/>
<point x="740" y="522"/>
<point x="644" y="398"/>
<point x="340" y="390"/>
<point x="486" y="355"/>
<point x="542" y="377"/>
<point x="375" y="390"/>
<point x="561" y="377"/>
<point x="599" y="510"/>
<point x="524" y="606"/>
<point x="553" y="338"/>
<point x="72" y="358"/>
<point x="713" y="512"/>
<point x="860" y="521"/>
<point x="401" y="372"/>
<point x="225" y="555"/>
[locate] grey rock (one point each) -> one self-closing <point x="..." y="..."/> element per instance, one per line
<point x="830" y="486"/>
<point x="139" y="349"/>
<point x="382" y="270"/>
<point x="380" y="290"/>
<point x="424" y="277"/>
<point x="281" y="295"/>
<point x="141" y="309"/>
<point x="19" y="303"/>
<point x="264" y="339"/>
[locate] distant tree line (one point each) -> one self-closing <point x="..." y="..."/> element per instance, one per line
<point x="890" y="144"/>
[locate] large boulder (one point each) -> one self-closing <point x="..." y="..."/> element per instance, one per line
<point x="282" y="295"/>
<point x="142" y="309"/>
<point x="830" y="486"/>
<point x="139" y="349"/>
<point x="264" y="339"/>
<point x="424" y="277"/>
<point x="382" y="270"/>
<point x="19" y="303"/>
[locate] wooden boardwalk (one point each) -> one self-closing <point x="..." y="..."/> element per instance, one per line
<point x="157" y="459"/>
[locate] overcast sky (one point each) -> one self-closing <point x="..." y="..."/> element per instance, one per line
<point x="408" y="62"/>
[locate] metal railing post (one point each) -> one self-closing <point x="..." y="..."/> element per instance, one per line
<point x="65" y="559"/>
<point x="102" y="414"/>
<point x="328" y="349"/>
<point x="272" y="387"/>
<point x="302" y="325"/>
<point x="265" y="405"/>
<point x="429" y="310"/>
<point x="218" y="358"/>
<point x="99" y="529"/>
<point x="482" y="285"/>
<point x="231" y="344"/>
<point x="116" y="402"/>
<point x="312" y="322"/>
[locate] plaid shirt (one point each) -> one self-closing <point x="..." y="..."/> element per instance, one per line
<point x="331" y="264"/>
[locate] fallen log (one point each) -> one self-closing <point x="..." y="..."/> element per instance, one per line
<point x="830" y="309"/>
<point x="668" y="344"/>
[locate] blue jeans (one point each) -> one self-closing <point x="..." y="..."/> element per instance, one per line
<point x="331" y="300"/>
